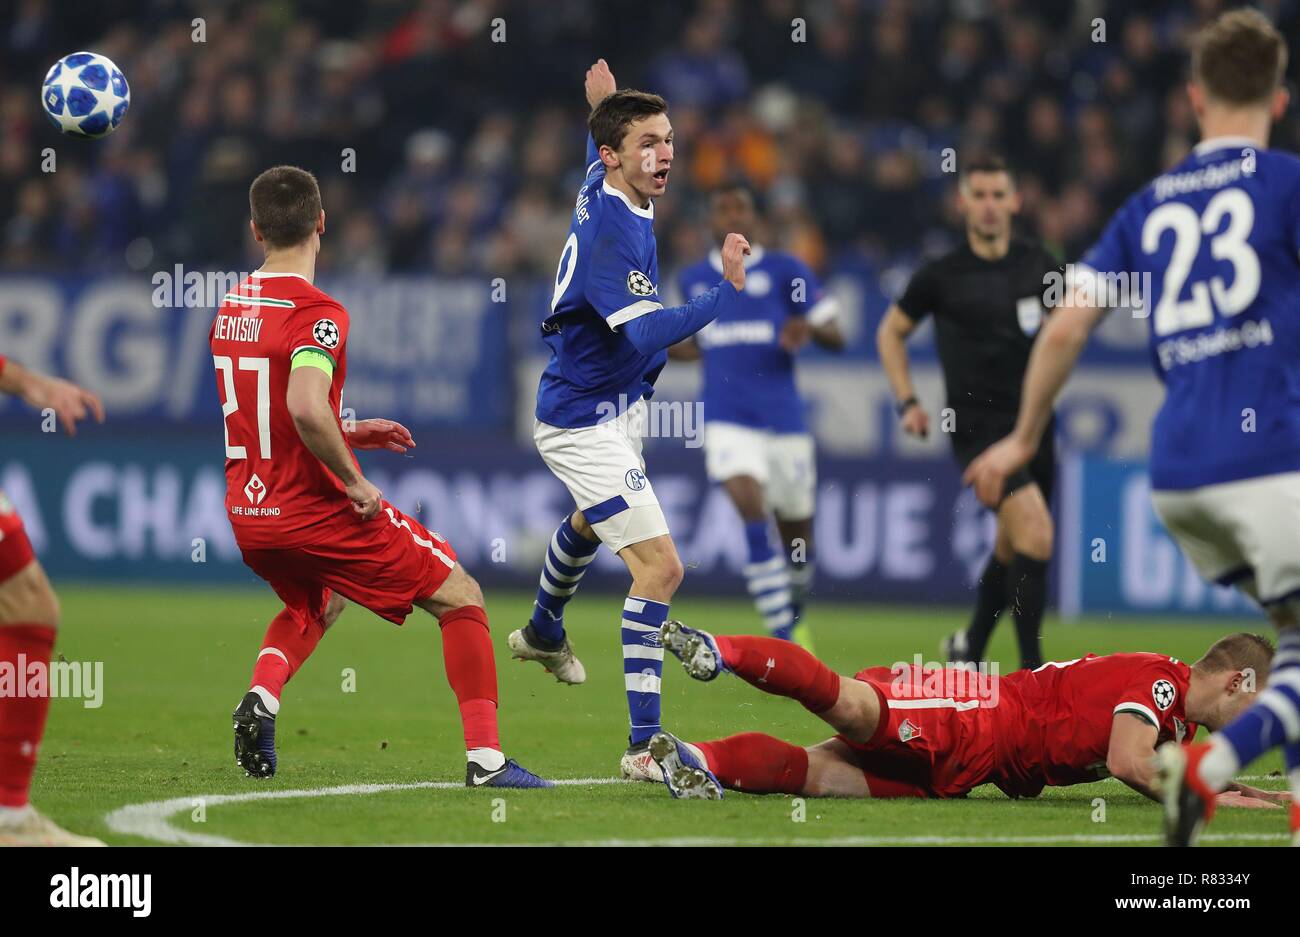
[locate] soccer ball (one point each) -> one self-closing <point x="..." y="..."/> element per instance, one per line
<point x="85" y="95"/>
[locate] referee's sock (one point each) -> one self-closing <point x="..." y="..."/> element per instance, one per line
<point x="990" y="600"/>
<point x="1028" y="599"/>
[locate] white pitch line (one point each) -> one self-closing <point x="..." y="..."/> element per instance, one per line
<point x="150" y="821"/>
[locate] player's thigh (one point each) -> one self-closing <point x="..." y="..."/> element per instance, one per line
<point x="1202" y="530"/>
<point x="857" y="711"/>
<point x="458" y="590"/>
<point x="792" y="483"/>
<point x="732" y="450"/>
<point x="833" y="771"/>
<point x="27" y="598"/>
<point x="603" y="470"/>
<point x="1027" y="520"/>
<point x="1263" y="515"/>
<point x="746" y="493"/>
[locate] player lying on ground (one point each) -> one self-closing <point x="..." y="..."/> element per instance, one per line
<point x="608" y="334"/>
<point x="29" y="619"/>
<point x="1217" y="238"/>
<point x="305" y="517"/>
<point x="915" y="732"/>
<point x="756" y="439"/>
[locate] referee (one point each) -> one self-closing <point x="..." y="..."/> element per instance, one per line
<point x="986" y="299"/>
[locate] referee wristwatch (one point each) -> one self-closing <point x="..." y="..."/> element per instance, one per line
<point x="904" y="405"/>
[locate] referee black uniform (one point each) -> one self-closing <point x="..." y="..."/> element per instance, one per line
<point x="987" y="314"/>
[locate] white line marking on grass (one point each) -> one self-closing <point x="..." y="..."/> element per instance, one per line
<point x="151" y="821"/>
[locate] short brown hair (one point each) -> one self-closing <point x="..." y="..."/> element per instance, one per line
<point x="986" y="162"/>
<point x="608" y="123"/>
<point x="285" y="204"/>
<point x="1240" y="651"/>
<point x="1240" y="58"/>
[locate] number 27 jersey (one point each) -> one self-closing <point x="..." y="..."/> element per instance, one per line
<point x="1217" y="241"/>
<point x="278" y="494"/>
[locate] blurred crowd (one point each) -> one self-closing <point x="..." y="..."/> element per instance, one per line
<point x="467" y="151"/>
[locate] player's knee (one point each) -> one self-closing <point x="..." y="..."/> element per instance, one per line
<point x="667" y="573"/>
<point x="468" y="591"/>
<point x="1034" y="539"/>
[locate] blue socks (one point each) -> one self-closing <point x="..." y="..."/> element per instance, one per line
<point x="768" y="578"/>
<point x="643" y="664"/>
<point x="567" y="559"/>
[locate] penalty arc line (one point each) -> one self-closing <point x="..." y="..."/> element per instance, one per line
<point x="151" y="821"/>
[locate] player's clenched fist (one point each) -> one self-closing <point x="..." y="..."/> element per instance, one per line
<point x="734" y="249"/>
<point x="365" y="498"/>
<point x="600" y="83"/>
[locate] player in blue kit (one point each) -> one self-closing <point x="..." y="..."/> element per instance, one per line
<point x="1218" y="236"/>
<point x="608" y="334"/>
<point x="756" y="439"/>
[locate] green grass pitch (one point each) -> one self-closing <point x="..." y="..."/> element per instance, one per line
<point x="177" y="661"/>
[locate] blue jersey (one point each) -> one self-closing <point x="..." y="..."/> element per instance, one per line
<point x="1219" y="238"/>
<point x="608" y="275"/>
<point x="748" y="376"/>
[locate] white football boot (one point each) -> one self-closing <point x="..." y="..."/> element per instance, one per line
<point x="28" y="827"/>
<point x="559" y="663"/>
<point x="638" y="765"/>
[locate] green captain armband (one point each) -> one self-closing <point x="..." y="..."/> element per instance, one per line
<point x="312" y="358"/>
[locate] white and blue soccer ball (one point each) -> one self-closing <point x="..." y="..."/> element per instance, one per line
<point x="85" y="95"/>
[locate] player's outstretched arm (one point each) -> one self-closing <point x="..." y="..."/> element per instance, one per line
<point x="662" y="328"/>
<point x="1050" y="364"/>
<point x="308" y="400"/>
<point x="69" y="402"/>
<point x="1131" y="757"/>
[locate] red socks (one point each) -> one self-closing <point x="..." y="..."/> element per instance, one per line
<point x="757" y="763"/>
<point x="472" y="673"/>
<point x="284" y="649"/>
<point x="22" y="717"/>
<point x="781" y="668"/>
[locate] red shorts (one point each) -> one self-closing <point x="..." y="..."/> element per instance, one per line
<point x="15" y="548"/>
<point x="384" y="564"/>
<point x="926" y="747"/>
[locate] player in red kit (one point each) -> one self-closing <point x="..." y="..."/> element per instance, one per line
<point x="305" y="517"/>
<point x="29" y="619"/>
<point x="912" y="731"/>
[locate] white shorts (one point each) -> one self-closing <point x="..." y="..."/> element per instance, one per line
<point x="1244" y="533"/>
<point x="783" y="463"/>
<point x="604" y="471"/>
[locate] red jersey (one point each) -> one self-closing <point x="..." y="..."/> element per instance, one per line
<point x="278" y="494"/>
<point x="1054" y="723"/>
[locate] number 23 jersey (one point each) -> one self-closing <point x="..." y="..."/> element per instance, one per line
<point x="278" y="494"/>
<point x="1217" y="240"/>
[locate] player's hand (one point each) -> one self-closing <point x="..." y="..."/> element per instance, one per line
<point x="69" y="402"/>
<point x="795" y="334"/>
<point x="990" y="470"/>
<point x="734" y="249"/>
<point x="915" y="421"/>
<point x="1238" y="799"/>
<point x="600" y="83"/>
<point x="365" y="497"/>
<point x="1277" y="798"/>
<point x="381" y="434"/>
